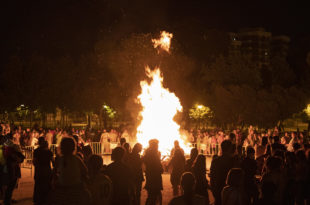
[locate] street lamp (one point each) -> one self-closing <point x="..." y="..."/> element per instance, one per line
<point x="199" y="107"/>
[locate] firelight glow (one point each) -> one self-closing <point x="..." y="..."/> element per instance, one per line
<point x="159" y="108"/>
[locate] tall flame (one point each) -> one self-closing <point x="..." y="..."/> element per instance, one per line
<point x="164" y="41"/>
<point x="159" y="108"/>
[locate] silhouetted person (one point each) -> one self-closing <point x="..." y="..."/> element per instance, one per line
<point x="13" y="158"/>
<point x="302" y="173"/>
<point x="233" y="193"/>
<point x="153" y="172"/>
<point x="135" y="164"/>
<point x="176" y="146"/>
<point x="189" y="163"/>
<point x="260" y="154"/>
<point x="177" y="163"/>
<point x="277" y="145"/>
<point x="72" y="176"/>
<point x="42" y="159"/>
<point x="219" y="169"/>
<point x="121" y="177"/>
<point x="275" y="175"/>
<point x="249" y="167"/>
<point x="268" y="190"/>
<point x="86" y="152"/>
<point x="122" y="141"/>
<point x="127" y="149"/>
<point x="100" y="185"/>
<point x="189" y="197"/>
<point x="199" y="171"/>
<point x="290" y="172"/>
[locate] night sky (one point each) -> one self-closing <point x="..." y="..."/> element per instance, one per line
<point x="36" y="26"/>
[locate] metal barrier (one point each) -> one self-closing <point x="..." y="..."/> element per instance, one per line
<point x="96" y="147"/>
<point x="106" y="149"/>
<point x="208" y="149"/>
<point x="28" y="153"/>
<point x="213" y="149"/>
<point x="102" y="148"/>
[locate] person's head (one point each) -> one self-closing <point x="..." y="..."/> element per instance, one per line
<point x="264" y="141"/>
<point x="153" y="144"/>
<point x="117" y="154"/>
<point x="188" y="182"/>
<point x="176" y="143"/>
<point x="250" y="152"/>
<point x="127" y="147"/>
<point x="234" y="177"/>
<point x="293" y="134"/>
<point x="67" y="146"/>
<point x="194" y="153"/>
<point x="137" y="148"/>
<point x="42" y="142"/>
<point x="276" y="139"/>
<point x="232" y="137"/>
<point x="87" y="151"/>
<point x="122" y="141"/>
<point x="95" y="164"/>
<point x="226" y="147"/>
<point x="273" y="163"/>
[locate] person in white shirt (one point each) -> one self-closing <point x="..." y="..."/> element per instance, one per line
<point x="104" y="140"/>
<point x="49" y="137"/>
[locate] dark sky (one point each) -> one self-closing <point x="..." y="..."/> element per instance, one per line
<point x="72" y="23"/>
<point x="285" y="17"/>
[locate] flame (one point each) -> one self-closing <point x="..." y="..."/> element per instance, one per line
<point x="164" y="41"/>
<point x="159" y="108"/>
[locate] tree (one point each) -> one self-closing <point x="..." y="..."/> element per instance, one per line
<point x="199" y="113"/>
<point x="234" y="91"/>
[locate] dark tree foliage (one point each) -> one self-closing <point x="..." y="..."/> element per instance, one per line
<point x="65" y="83"/>
<point x="236" y="93"/>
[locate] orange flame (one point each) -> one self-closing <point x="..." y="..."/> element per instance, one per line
<point x="159" y="108"/>
<point x="164" y="41"/>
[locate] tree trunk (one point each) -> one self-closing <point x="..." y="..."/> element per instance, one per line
<point x="30" y="124"/>
<point x="89" y="120"/>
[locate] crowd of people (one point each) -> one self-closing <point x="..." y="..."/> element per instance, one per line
<point x="250" y="168"/>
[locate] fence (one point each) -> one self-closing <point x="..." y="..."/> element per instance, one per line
<point x="105" y="149"/>
<point x="101" y="149"/>
<point x="28" y="153"/>
<point x="213" y="149"/>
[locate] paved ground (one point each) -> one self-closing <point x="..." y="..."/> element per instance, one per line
<point x="25" y="189"/>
